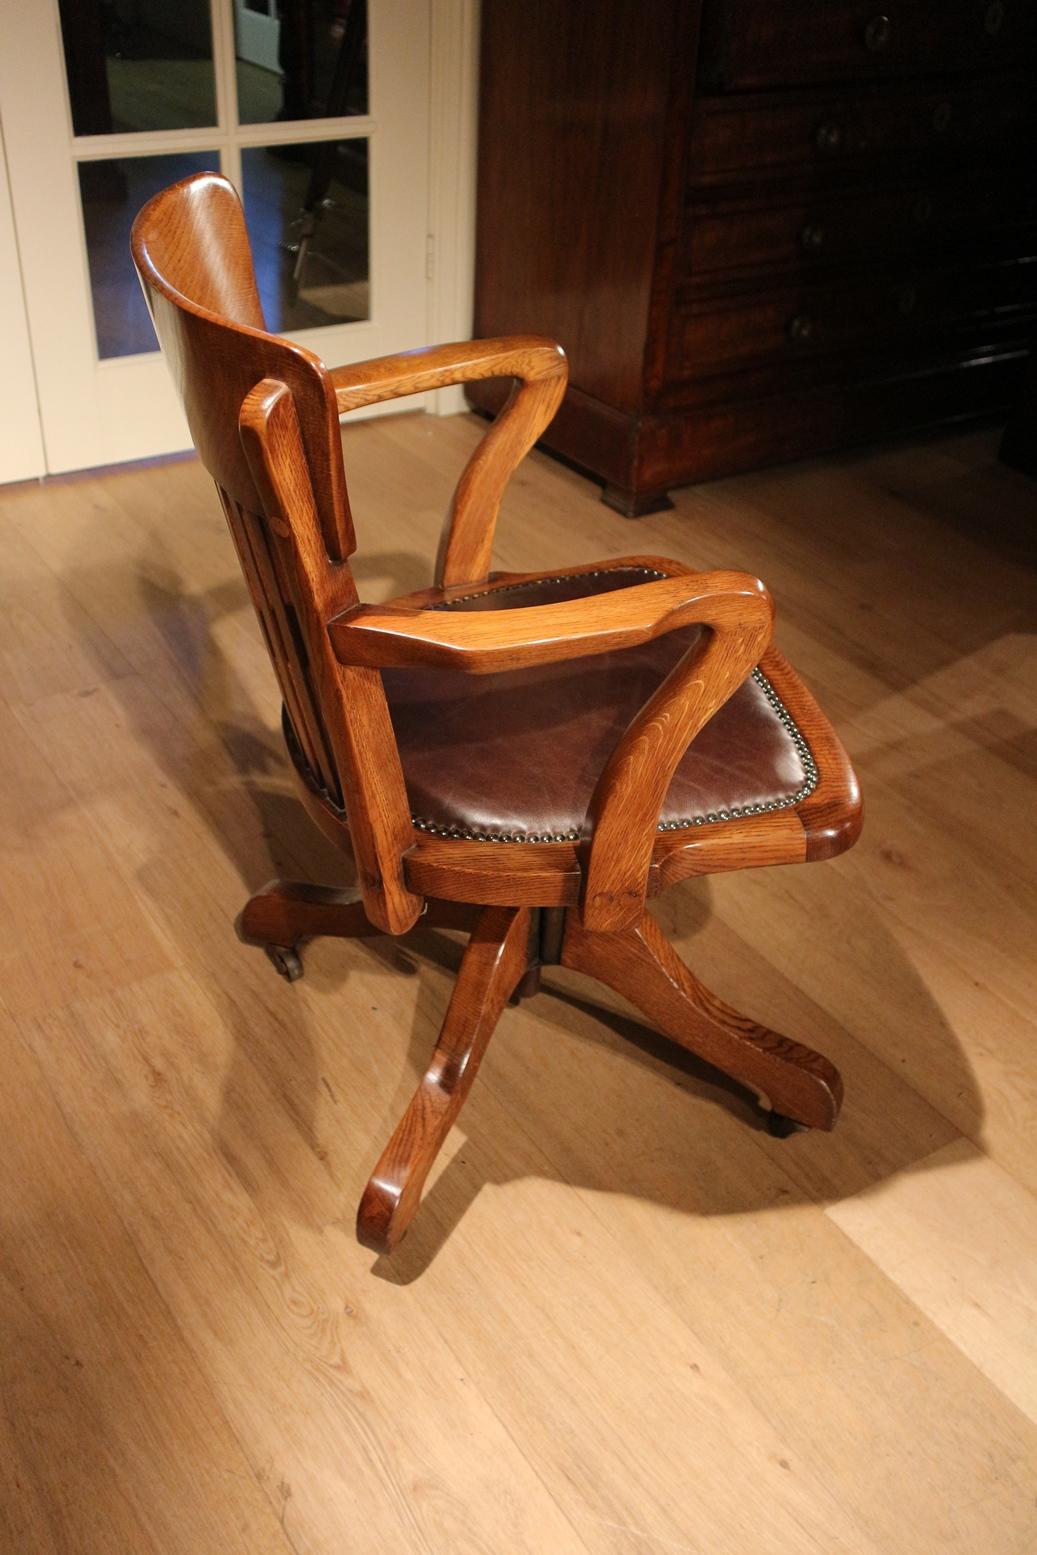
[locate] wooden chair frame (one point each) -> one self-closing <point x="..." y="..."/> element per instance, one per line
<point x="264" y="414"/>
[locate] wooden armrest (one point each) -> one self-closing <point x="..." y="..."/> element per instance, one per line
<point x="540" y="367"/>
<point x="628" y="798"/>
<point x="529" y="357"/>
<point x="485" y="642"/>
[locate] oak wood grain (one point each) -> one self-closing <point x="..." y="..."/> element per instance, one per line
<point x="623" y="815"/>
<point x="541" y="371"/>
<point x="490" y="641"/>
<point x="286" y="911"/>
<point x="496" y="958"/>
<point x="640" y="964"/>
<point x="351" y="699"/>
<point x="261" y="412"/>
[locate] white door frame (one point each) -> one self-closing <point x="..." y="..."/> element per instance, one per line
<point x="21" y="442"/>
<point x="137" y="411"/>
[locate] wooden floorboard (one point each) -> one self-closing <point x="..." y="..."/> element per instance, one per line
<point x="627" y="1321"/>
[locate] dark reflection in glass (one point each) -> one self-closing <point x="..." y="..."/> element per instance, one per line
<point x="307" y="212"/>
<point x="138" y="65"/>
<point x="300" y="59"/>
<point x="112" y="193"/>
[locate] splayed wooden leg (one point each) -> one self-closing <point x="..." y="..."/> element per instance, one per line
<point x="287" y="911"/>
<point x="496" y="959"/>
<point x="640" y="964"/>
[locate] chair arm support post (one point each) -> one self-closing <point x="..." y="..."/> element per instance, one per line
<point x="623" y="815"/>
<point x="541" y="371"/>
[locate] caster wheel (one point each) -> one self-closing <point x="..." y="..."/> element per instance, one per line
<point x="780" y="1127"/>
<point x="285" y="961"/>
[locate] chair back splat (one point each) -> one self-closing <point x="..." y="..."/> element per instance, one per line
<point x="264" y="419"/>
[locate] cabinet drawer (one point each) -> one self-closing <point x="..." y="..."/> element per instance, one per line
<point x="839" y="227"/>
<point x="761" y="43"/>
<point x="797" y="322"/>
<point x="834" y="131"/>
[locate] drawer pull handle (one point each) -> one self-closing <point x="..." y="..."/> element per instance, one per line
<point x="923" y="211"/>
<point x="812" y="237"/>
<point x="800" y="327"/>
<point x="994" y="18"/>
<point x="828" y="136"/>
<point x="942" y="115"/>
<point x="877" y="33"/>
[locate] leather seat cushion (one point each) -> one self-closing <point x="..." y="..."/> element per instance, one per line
<point x="515" y="756"/>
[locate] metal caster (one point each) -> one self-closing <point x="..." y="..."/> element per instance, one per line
<point x="780" y="1127"/>
<point x="285" y="961"/>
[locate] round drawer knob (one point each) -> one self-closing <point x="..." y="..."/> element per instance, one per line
<point x="877" y="33"/>
<point x="812" y="237"/>
<point x="907" y="299"/>
<point x="828" y="136"/>
<point x="800" y="327"/>
<point x="942" y="115"/>
<point x="922" y="213"/>
<point x="994" y="18"/>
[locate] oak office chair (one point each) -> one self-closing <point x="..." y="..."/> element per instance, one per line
<point x="527" y="755"/>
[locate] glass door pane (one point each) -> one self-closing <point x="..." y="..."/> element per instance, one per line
<point x="112" y="191"/>
<point x="307" y="212"/>
<point x="106" y="101"/>
<point x="300" y="59"/>
<point x="138" y="65"/>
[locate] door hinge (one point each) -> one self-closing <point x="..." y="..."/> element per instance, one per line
<point x="430" y="255"/>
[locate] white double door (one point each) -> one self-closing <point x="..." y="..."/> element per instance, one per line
<point x="93" y="120"/>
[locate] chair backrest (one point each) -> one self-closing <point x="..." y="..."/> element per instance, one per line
<point x="264" y="419"/>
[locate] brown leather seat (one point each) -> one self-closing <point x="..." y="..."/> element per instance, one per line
<point x="515" y="756"/>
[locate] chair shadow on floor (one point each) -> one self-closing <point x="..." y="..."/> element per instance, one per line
<point x="658" y="1121"/>
<point x="632" y="1076"/>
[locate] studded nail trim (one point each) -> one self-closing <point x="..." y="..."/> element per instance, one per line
<point x="539" y="583"/>
<point x="811" y="776"/>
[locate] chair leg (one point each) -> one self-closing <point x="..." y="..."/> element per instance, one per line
<point x="287" y="911"/>
<point x="496" y="959"/>
<point x="640" y="964"/>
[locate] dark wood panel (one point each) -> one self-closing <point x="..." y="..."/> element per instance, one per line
<point x="759" y="419"/>
<point x="812" y="318"/>
<point x="836" y="227"/>
<point x="725" y="438"/>
<point x="758" y="43"/>
<point x="817" y="257"/>
<point x="744" y="383"/>
<point x="573" y="113"/>
<point x="833" y="132"/>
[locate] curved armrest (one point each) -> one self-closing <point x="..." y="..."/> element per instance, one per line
<point x="627" y="801"/>
<point x="485" y="642"/>
<point x="623" y="814"/>
<point x="540" y="367"/>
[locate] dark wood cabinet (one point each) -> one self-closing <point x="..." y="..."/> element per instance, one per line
<point x="760" y="228"/>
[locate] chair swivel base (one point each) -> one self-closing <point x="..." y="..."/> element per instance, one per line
<point x="502" y="961"/>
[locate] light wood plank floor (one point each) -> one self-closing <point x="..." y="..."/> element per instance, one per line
<point x="627" y="1321"/>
